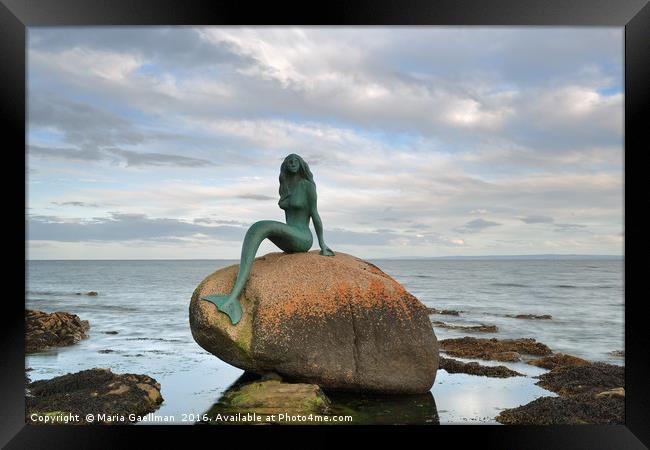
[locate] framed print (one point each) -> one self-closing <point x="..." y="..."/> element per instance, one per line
<point x="402" y="217"/>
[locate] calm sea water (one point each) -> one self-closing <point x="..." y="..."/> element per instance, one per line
<point x="146" y="302"/>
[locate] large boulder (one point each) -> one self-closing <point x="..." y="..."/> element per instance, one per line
<point x="337" y="321"/>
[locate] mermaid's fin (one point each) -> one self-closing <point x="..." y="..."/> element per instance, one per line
<point x="231" y="307"/>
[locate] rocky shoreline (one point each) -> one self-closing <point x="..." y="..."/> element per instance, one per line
<point x="95" y="393"/>
<point x="589" y="393"/>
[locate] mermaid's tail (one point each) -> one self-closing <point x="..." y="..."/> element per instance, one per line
<point x="227" y="305"/>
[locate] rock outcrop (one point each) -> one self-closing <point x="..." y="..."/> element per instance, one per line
<point x="558" y="360"/>
<point x="44" y="331"/>
<point x="493" y="349"/>
<point x="582" y="409"/>
<point x="589" y="393"/>
<point x="474" y="368"/>
<point x="530" y="316"/>
<point x="338" y="322"/>
<point x="482" y="328"/>
<point x="592" y="377"/>
<point x="445" y="312"/>
<point x="265" y="401"/>
<point x="270" y="400"/>
<point x="110" y="398"/>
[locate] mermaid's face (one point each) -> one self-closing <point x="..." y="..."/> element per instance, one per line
<point x="292" y="164"/>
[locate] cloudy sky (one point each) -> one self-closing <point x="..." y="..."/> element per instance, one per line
<point x="150" y="142"/>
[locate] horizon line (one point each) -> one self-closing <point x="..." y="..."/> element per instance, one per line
<point x="412" y="257"/>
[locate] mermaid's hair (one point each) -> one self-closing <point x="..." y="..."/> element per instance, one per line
<point x="303" y="170"/>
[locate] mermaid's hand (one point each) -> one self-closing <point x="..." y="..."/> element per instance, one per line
<point x="325" y="251"/>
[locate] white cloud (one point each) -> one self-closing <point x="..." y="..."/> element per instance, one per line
<point x="578" y="106"/>
<point x="84" y="63"/>
<point x="467" y="112"/>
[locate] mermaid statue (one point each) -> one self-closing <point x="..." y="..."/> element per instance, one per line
<point x="298" y="199"/>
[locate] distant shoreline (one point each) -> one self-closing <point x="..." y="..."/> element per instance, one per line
<point x="512" y="257"/>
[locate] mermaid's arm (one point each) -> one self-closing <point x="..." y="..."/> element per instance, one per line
<point x="315" y="217"/>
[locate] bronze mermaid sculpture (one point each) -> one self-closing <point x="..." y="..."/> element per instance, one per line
<point x="298" y="200"/>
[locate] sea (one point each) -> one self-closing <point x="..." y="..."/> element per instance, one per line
<point x="147" y="304"/>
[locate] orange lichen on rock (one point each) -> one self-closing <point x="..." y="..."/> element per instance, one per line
<point x="309" y="285"/>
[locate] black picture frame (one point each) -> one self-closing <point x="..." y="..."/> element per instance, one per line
<point x="16" y="15"/>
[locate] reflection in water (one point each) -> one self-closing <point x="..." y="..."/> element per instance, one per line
<point x="466" y="398"/>
<point x="364" y="408"/>
<point x="376" y="409"/>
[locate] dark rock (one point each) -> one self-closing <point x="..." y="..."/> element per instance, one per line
<point x="573" y="410"/>
<point x="592" y="378"/>
<point x="44" y="331"/>
<point x="493" y="349"/>
<point x="590" y="393"/>
<point x="446" y="312"/>
<point x="558" y="360"/>
<point x="95" y="391"/>
<point x="474" y="368"/>
<point x="471" y="328"/>
<point x="338" y="322"/>
<point x="108" y="350"/>
<point x="90" y="294"/>
<point x="110" y="332"/>
<point x="620" y="353"/>
<point x="506" y="356"/>
<point x="530" y="316"/>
